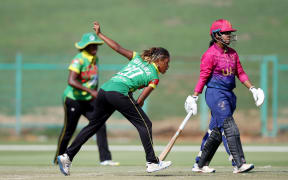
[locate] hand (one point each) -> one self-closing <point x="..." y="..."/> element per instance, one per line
<point x="191" y="105"/>
<point x="258" y="95"/>
<point x="93" y="93"/>
<point x="141" y="103"/>
<point x="96" y="27"/>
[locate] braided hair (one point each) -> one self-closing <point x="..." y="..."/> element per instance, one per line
<point x="154" y="53"/>
<point x="212" y="41"/>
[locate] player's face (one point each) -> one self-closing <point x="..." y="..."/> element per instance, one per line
<point x="92" y="49"/>
<point x="226" y="36"/>
<point x="163" y="65"/>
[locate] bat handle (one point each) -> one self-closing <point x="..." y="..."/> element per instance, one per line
<point x="185" y="120"/>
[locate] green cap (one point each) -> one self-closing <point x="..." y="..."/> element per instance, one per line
<point x="88" y="38"/>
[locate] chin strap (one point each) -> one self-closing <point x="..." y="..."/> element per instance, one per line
<point x="221" y="40"/>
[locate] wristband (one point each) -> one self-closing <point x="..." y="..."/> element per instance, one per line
<point x="195" y="97"/>
<point x="252" y="87"/>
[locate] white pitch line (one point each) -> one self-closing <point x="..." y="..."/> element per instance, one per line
<point x="194" y="148"/>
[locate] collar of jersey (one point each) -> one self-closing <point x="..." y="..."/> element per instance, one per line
<point x="88" y="56"/>
<point x="155" y="66"/>
<point x="218" y="48"/>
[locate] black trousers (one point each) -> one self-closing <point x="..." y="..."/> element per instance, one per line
<point x="106" y="103"/>
<point x="73" y="110"/>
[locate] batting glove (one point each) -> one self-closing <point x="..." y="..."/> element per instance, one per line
<point x="258" y="95"/>
<point x="191" y="104"/>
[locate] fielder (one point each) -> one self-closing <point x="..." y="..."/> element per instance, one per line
<point x="79" y="96"/>
<point x="142" y="71"/>
<point x="219" y="66"/>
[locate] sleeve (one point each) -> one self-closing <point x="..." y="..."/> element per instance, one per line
<point x="240" y="73"/>
<point x="153" y="83"/>
<point x="206" y="68"/>
<point x="75" y="65"/>
<point x="135" y="54"/>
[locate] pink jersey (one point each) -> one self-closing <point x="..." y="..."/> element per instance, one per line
<point x="218" y="69"/>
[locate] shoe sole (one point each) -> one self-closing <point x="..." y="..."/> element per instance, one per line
<point x="199" y="171"/>
<point x="209" y="172"/>
<point x="61" y="166"/>
<point x="247" y="170"/>
<point x="196" y="170"/>
<point x="203" y="171"/>
<point x="118" y="164"/>
<point x="160" y="169"/>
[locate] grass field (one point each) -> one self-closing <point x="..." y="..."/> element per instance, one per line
<point x="37" y="165"/>
<point x="51" y="27"/>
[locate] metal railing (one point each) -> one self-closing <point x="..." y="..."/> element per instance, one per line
<point x="19" y="66"/>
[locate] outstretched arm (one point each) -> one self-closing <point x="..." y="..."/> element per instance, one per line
<point x="145" y="93"/>
<point x="114" y="45"/>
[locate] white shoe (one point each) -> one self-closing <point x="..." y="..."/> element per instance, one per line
<point x="204" y="169"/>
<point x="64" y="164"/>
<point x="152" y="167"/>
<point x="109" y="163"/>
<point x="243" y="168"/>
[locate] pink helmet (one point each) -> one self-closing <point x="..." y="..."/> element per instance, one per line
<point x="221" y="25"/>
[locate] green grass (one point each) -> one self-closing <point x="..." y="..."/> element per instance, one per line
<point x="37" y="165"/>
<point x="87" y="158"/>
<point x="51" y="27"/>
<point x="137" y="172"/>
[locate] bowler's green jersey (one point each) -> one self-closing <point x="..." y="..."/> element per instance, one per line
<point x="135" y="75"/>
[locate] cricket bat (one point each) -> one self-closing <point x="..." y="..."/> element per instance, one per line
<point x="169" y="146"/>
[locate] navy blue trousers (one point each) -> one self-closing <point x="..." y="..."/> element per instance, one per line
<point x="222" y="104"/>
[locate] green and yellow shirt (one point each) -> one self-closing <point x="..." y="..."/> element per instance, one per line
<point x="135" y="75"/>
<point x="85" y="65"/>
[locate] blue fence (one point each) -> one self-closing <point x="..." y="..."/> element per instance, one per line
<point x="269" y="82"/>
<point x="276" y="67"/>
